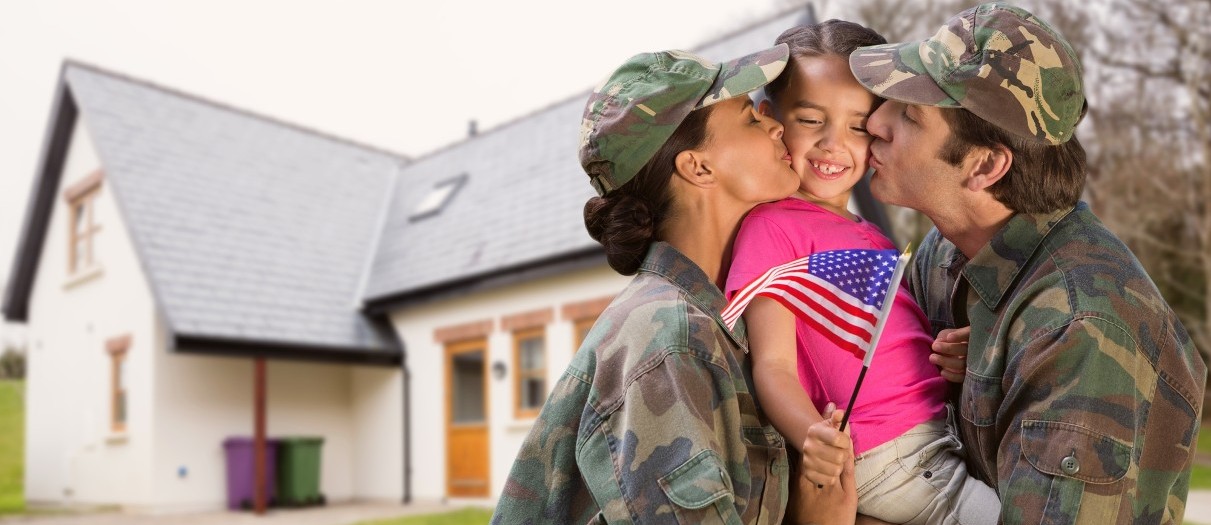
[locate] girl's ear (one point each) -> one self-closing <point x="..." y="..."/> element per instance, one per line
<point x="986" y="166"/>
<point x="691" y="166"/>
<point x="765" y="108"/>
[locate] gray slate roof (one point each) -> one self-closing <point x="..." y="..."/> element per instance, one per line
<point x="262" y="236"/>
<point x="524" y="198"/>
<point x="248" y="229"/>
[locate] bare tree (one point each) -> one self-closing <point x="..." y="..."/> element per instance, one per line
<point x="1148" y="130"/>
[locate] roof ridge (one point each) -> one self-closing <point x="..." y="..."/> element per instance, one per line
<point x="72" y="62"/>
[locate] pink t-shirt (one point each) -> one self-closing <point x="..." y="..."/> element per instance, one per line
<point x="902" y="389"/>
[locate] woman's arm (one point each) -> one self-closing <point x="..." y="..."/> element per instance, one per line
<point x="771" y="331"/>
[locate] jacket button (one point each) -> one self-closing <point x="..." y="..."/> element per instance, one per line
<point x="1070" y="465"/>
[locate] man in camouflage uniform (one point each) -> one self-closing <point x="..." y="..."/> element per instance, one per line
<point x="1083" y="391"/>
<point x="655" y="420"/>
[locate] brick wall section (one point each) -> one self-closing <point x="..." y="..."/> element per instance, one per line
<point x="589" y="309"/>
<point x="463" y="332"/>
<point x="531" y="319"/>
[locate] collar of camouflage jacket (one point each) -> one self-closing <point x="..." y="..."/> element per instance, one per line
<point x="664" y="260"/>
<point x="997" y="265"/>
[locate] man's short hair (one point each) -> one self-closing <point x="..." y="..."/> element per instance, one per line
<point x="1042" y="178"/>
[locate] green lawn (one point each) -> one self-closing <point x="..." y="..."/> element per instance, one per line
<point x="1200" y="478"/>
<point x="12" y="446"/>
<point x="458" y="517"/>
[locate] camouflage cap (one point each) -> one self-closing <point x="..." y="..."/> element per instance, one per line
<point x="1000" y="62"/>
<point x="630" y="115"/>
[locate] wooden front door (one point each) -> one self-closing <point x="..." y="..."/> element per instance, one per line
<point x="467" y="420"/>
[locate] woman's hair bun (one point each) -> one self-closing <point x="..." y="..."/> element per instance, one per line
<point x="624" y="225"/>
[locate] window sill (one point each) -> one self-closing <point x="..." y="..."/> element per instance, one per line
<point x="83" y="276"/>
<point x="116" y="438"/>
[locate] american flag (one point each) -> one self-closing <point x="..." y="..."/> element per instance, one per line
<point x="840" y="293"/>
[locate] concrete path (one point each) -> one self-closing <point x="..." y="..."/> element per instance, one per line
<point x="1198" y="511"/>
<point x="1198" y="507"/>
<point x="335" y="514"/>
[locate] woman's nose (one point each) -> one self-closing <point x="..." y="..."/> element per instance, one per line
<point x="776" y="129"/>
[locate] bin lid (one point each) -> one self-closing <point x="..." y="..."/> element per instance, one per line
<point x="232" y="441"/>
<point x="300" y="440"/>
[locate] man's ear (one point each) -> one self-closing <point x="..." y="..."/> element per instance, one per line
<point x="691" y="166"/>
<point x="765" y="108"/>
<point x="986" y="166"/>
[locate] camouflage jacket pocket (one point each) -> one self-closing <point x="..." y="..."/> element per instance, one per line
<point x="1073" y="451"/>
<point x="700" y="491"/>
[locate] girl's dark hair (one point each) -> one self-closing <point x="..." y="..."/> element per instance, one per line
<point x="831" y="37"/>
<point x="627" y="220"/>
<point x="1042" y="179"/>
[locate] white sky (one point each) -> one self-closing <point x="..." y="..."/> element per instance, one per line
<point x="402" y="75"/>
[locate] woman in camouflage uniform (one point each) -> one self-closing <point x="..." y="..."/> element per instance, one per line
<point x="655" y="420"/>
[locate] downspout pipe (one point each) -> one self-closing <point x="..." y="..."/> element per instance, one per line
<point x="407" y="404"/>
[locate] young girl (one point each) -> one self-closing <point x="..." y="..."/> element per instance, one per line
<point x="654" y="420"/>
<point x="908" y="468"/>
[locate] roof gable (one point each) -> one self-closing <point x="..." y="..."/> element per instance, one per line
<point x="248" y="229"/>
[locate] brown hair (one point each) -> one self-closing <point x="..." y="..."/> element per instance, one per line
<point x="831" y="37"/>
<point x="627" y="220"/>
<point x="1042" y="178"/>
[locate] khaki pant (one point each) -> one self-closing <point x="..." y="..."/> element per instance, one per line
<point x="920" y="478"/>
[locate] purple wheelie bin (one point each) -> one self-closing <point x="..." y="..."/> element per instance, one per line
<point x="241" y="471"/>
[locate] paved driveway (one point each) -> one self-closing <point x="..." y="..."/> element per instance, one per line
<point x="336" y="514"/>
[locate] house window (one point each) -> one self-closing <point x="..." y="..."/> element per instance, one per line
<point x="531" y="356"/>
<point x="117" y="348"/>
<point x="529" y="359"/>
<point x="438" y="197"/>
<point x="81" y="200"/>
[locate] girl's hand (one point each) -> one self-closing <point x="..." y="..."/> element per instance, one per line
<point x="950" y="353"/>
<point x="835" y="504"/>
<point x="826" y="451"/>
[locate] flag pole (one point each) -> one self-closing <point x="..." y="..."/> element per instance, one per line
<point x="884" y="313"/>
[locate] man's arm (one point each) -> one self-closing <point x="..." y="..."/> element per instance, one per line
<point x="1079" y="438"/>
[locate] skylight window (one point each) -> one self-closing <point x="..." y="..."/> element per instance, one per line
<point x="438" y="197"/>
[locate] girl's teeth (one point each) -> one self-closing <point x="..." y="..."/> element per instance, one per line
<point x="829" y="168"/>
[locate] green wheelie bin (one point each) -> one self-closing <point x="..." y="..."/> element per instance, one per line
<point x="298" y="475"/>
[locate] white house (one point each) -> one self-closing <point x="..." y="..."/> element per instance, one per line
<point x="413" y="312"/>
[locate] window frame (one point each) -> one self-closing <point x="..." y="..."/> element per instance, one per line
<point x="118" y="349"/>
<point x="521" y="375"/>
<point x="82" y="194"/>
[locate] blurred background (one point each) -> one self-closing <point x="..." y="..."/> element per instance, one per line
<point x="415" y="79"/>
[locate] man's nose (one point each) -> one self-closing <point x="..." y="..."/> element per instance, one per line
<point x="876" y="124"/>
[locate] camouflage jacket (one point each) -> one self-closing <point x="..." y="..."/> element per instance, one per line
<point x="1083" y="390"/>
<point x="655" y="420"/>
